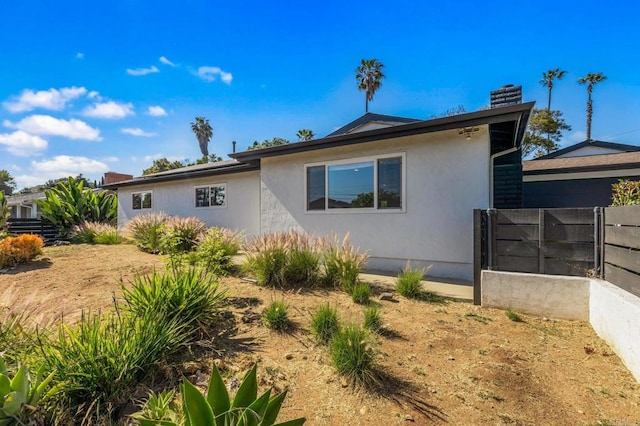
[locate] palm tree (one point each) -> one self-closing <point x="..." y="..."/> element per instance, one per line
<point x="590" y="80"/>
<point x="204" y="132"/>
<point x="547" y="81"/>
<point x="305" y="135"/>
<point x="369" y="77"/>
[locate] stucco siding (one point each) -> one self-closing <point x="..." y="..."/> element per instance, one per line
<point x="447" y="177"/>
<point x="178" y="198"/>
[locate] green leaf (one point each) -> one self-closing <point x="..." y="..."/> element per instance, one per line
<point x="273" y="409"/>
<point x="248" y="390"/>
<point x="5" y="387"/>
<point x="20" y="382"/>
<point x="197" y="410"/>
<point x="217" y="395"/>
<point x="3" y="366"/>
<point x="13" y="403"/>
<point x="33" y="400"/>
<point x="255" y="412"/>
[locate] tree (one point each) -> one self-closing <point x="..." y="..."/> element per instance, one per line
<point x="591" y="79"/>
<point x="268" y="143"/>
<point x="544" y="132"/>
<point x="547" y="81"/>
<point x="162" y="165"/>
<point x="305" y="135"/>
<point x="203" y="132"/>
<point x="7" y="183"/>
<point x="369" y="77"/>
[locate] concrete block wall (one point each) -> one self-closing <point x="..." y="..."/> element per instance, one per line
<point x="612" y="312"/>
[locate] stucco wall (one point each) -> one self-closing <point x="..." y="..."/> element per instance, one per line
<point x="178" y="198"/>
<point x="447" y="177"/>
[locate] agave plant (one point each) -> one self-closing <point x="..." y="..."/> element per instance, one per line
<point x="217" y="408"/>
<point x="19" y="396"/>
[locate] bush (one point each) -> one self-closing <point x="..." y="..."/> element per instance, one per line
<point x="218" y="407"/>
<point x="216" y="247"/>
<point x="275" y="316"/>
<point x="94" y="233"/>
<point x="21" y="249"/>
<point x="342" y="263"/>
<point x="625" y="193"/>
<point x="409" y="282"/>
<point x="325" y="323"/>
<point x="146" y="231"/>
<point x="352" y="354"/>
<point x="372" y="319"/>
<point x="69" y="204"/>
<point x="181" y="234"/>
<point x="98" y="361"/>
<point x="5" y="212"/>
<point x="188" y="296"/>
<point x="302" y="267"/>
<point x="360" y="293"/>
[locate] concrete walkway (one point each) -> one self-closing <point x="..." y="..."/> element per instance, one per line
<point x="455" y="289"/>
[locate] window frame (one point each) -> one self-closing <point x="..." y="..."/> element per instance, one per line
<point x="211" y="185"/>
<point x="150" y="192"/>
<point x="370" y="210"/>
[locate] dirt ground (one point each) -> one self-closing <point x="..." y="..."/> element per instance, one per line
<point x="449" y="363"/>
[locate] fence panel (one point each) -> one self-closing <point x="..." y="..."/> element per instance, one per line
<point x="34" y="226"/>
<point x="622" y="247"/>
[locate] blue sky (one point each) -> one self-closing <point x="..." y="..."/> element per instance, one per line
<point x="87" y="87"/>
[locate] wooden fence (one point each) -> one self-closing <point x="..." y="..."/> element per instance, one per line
<point x="34" y="226"/>
<point x="598" y="242"/>
<point x="621" y="260"/>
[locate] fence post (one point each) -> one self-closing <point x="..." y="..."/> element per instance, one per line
<point x="541" y="213"/>
<point x="492" y="227"/>
<point x="477" y="256"/>
<point x="600" y="230"/>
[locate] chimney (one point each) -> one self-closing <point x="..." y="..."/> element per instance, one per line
<point x="506" y="95"/>
<point x="113" y="177"/>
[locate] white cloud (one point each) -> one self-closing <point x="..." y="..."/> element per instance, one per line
<point x="166" y="61"/>
<point x="156" y="111"/>
<point x="108" y="109"/>
<point x="210" y="73"/>
<point x="142" y="71"/>
<point x="148" y="158"/>
<point x="52" y="99"/>
<point x="61" y="166"/>
<point x="22" y="143"/>
<point x="110" y="159"/>
<point x="136" y="132"/>
<point x="47" y="125"/>
<point x="94" y="95"/>
<point x="79" y="55"/>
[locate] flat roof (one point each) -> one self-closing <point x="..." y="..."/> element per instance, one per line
<point x="622" y="160"/>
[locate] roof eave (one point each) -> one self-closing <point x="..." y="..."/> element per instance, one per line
<point x="519" y="112"/>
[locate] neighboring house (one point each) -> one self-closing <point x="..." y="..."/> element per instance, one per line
<point x="24" y="206"/>
<point x="403" y="189"/>
<point x="580" y="175"/>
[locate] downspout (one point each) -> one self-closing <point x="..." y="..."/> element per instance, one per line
<point x="500" y="154"/>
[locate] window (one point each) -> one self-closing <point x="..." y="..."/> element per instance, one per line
<point x="211" y="195"/>
<point x="361" y="184"/>
<point x="141" y="200"/>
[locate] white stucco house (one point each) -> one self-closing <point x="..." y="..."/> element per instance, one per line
<point x="403" y="189"/>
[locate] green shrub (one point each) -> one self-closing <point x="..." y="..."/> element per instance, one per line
<point x="216" y="247"/>
<point x="409" y="282"/>
<point x="217" y="407"/>
<point x="302" y="267"/>
<point x="94" y="233"/>
<point x="146" y="231"/>
<point x="187" y="295"/>
<point x="181" y="234"/>
<point x="275" y="316"/>
<point x="625" y="193"/>
<point x="352" y="354"/>
<point x="360" y="293"/>
<point x="268" y="256"/>
<point x="101" y="359"/>
<point x="372" y="319"/>
<point x="17" y="340"/>
<point x="5" y="212"/>
<point x="513" y="316"/>
<point x="325" y="323"/>
<point x="21" y="394"/>
<point x="342" y="263"/>
<point x="69" y="203"/>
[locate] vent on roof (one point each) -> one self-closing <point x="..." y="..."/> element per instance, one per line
<point x="506" y="95"/>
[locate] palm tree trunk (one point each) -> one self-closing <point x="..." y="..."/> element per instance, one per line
<point x="589" y="117"/>
<point x="366" y="103"/>
<point x="549" y="102"/>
